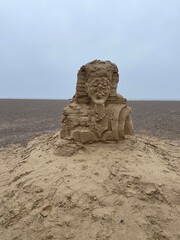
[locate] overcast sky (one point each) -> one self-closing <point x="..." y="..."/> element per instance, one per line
<point x="43" y="43"/>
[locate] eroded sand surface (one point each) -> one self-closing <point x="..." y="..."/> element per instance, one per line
<point x="128" y="190"/>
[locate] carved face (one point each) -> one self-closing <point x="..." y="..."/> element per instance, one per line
<point x="98" y="90"/>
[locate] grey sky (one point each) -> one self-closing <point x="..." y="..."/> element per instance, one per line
<point x="43" y="43"/>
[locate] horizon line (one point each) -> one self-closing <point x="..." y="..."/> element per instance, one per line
<point x="67" y="99"/>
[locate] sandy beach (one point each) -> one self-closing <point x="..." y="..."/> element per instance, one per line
<point x="126" y="190"/>
<point x="22" y="120"/>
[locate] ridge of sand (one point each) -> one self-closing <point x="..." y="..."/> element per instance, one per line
<point x="128" y="190"/>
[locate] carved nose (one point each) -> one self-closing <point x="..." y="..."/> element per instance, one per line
<point x="100" y="88"/>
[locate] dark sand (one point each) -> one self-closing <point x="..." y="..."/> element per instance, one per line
<point x="21" y="120"/>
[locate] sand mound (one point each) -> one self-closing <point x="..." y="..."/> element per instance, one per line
<point x="128" y="190"/>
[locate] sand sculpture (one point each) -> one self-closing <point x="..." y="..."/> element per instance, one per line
<point x="97" y="112"/>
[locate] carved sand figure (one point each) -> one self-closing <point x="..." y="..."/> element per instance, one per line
<point x="97" y="112"/>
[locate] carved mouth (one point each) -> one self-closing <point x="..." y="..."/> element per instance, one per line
<point x="99" y="95"/>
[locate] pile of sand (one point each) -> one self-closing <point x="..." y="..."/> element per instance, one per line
<point x="128" y="190"/>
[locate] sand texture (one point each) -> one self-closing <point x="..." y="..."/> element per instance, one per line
<point x="128" y="190"/>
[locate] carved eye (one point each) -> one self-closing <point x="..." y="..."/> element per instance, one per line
<point x="94" y="85"/>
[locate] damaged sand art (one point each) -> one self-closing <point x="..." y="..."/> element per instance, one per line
<point x="97" y="112"/>
<point x="90" y="183"/>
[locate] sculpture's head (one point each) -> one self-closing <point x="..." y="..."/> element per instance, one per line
<point x="98" y="89"/>
<point x="97" y="82"/>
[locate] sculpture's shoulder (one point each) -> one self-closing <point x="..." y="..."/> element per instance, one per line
<point x="74" y="107"/>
